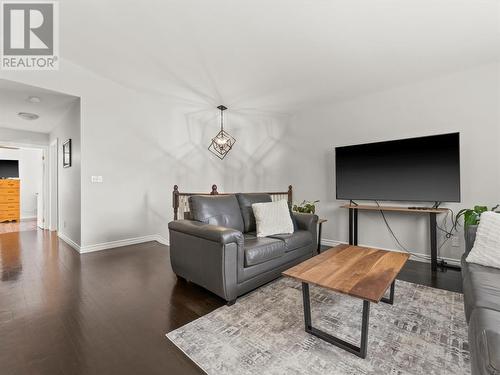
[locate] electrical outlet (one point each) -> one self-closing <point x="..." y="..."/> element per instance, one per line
<point x="96" y="179"/>
<point x="455" y="241"/>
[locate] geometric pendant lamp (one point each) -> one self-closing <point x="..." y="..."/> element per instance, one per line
<point x="223" y="142"/>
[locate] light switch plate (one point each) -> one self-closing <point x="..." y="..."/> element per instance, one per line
<point x="96" y="179"/>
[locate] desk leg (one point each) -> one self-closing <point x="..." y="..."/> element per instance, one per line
<point x="433" y="233"/>
<point x="353" y="226"/>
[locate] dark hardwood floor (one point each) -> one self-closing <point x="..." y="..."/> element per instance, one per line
<point x="420" y="273"/>
<point x="105" y="312"/>
<point x="99" y="313"/>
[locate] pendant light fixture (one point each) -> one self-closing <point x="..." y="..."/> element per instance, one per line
<point x="223" y="142"/>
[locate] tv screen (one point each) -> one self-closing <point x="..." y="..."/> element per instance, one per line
<point x="9" y="169"/>
<point x="417" y="169"/>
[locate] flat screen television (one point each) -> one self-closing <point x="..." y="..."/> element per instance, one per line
<point x="424" y="169"/>
<point x="9" y="169"/>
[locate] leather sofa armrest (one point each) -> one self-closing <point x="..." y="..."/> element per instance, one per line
<point x="306" y="221"/>
<point x="208" y="232"/>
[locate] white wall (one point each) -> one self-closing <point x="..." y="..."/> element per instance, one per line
<point x="467" y="102"/>
<point x="8" y="136"/>
<point x="30" y="174"/>
<point x="69" y="179"/>
<point x="141" y="143"/>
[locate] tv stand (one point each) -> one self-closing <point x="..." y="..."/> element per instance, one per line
<point x="431" y="211"/>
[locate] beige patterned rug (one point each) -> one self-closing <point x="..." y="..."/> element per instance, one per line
<point x="424" y="332"/>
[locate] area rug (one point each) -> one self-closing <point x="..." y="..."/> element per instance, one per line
<point x="424" y="332"/>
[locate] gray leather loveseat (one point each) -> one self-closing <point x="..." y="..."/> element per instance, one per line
<point x="481" y="286"/>
<point x="218" y="248"/>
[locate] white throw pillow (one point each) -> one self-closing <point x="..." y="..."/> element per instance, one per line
<point x="272" y="218"/>
<point x="486" y="250"/>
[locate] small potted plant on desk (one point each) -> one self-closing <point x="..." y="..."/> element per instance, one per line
<point x="472" y="216"/>
<point x="306" y="207"/>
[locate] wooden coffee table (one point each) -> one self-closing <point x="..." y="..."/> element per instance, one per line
<point x="360" y="272"/>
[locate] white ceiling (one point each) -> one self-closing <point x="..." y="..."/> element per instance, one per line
<point x="277" y="53"/>
<point x="13" y="99"/>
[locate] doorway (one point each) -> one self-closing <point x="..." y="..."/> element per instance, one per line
<point x="35" y="117"/>
<point x="22" y="174"/>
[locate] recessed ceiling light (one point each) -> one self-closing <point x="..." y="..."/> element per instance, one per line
<point x="34" y="99"/>
<point x="28" y="116"/>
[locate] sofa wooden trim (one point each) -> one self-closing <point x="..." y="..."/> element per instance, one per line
<point x="179" y="199"/>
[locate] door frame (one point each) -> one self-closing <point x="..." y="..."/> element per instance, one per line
<point x="53" y="186"/>
<point x="45" y="178"/>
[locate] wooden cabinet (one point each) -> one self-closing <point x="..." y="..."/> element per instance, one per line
<point x="9" y="200"/>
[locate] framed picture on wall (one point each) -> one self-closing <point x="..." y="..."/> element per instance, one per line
<point x="66" y="154"/>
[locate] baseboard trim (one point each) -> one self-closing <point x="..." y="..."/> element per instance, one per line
<point x="162" y="240"/>
<point x="28" y="217"/>
<point x="69" y="241"/>
<point x="420" y="258"/>
<point x="332" y="243"/>
<point x="120" y="243"/>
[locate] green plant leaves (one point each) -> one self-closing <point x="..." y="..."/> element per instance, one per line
<point x="472" y="216"/>
<point x="306" y="207"/>
<point x="480" y="209"/>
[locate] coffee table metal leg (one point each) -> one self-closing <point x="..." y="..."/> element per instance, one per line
<point x="307" y="306"/>
<point x="390" y="300"/>
<point x="359" y="351"/>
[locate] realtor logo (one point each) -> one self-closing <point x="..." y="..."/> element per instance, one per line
<point x="30" y="39"/>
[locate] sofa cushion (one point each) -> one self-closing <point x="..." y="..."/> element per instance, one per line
<point x="484" y="341"/>
<point x="481" y="287"/>
<point x="295" y="240"/>
<point x="222" y="210"/>
<point x="262" y="249"/>
<point x="471" y="268"/>
<point x="245" y="201"/>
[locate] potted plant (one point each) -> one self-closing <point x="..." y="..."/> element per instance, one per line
<point x="306" y="207"/>
<point x="472" y="216"/>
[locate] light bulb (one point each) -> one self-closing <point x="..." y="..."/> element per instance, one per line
<point x="221" y="141"/>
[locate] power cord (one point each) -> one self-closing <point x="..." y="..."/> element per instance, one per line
<point x="454" y="224"/>
<point x="448" y="233"/>
<point x="396" y="238"/>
